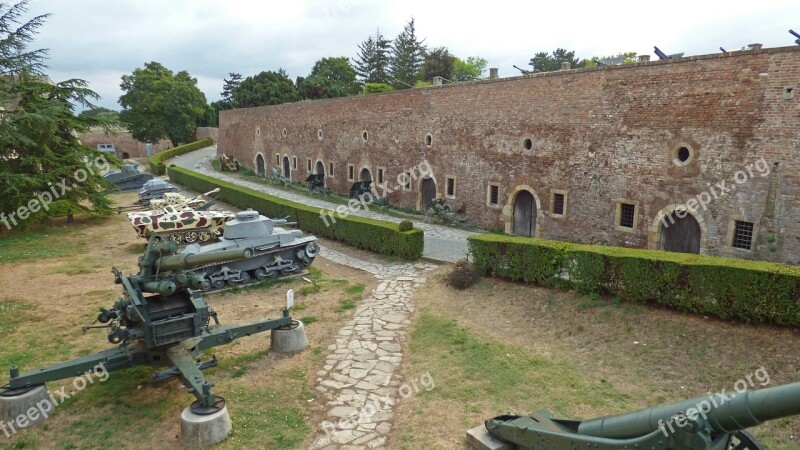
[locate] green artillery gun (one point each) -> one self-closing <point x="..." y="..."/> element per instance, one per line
<point x="276" y="177"/>
<point x="716" y="422"/>
<point x="316" y="183"/>
<point x="162" y="321"/>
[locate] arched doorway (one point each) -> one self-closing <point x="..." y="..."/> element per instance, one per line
<point x="287" y="169"/>
<point x="524" y="214"/>
<point x="260" y="165"/>
<point x="365" y="175"/>
<point x="125" y="155"/>
<point x="427" y="191"/>
<point x="320" y="168"/>
<point x="680" y="234"/>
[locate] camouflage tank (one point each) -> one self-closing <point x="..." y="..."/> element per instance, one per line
<point x="182" y="225"/>
<point x="275" y="251"/>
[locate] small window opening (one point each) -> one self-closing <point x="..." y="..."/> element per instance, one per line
<point x="627" y="215"/>
<point x="451" y="187"/>
<point x="558" y="204"/>
<point x="743" y="235"/>
<point x="527" y="143"/>
<point x="494" y="195"/>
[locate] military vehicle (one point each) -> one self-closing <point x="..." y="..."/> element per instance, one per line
<point x="228" y="163"/>
<point x="162" y="321"/>
<point x="275" y="251"/>
<point x="128" y="177"/>
<point x="154" y="189"/>
<point x="182" y="225"/>
<point x="316" y="183"/>
<point x="180" y="201"/>
<point x="276" y="178"/>
<point x="715" y="422"/>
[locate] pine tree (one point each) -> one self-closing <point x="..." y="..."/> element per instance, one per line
<point x="229" y="87"/>
<point x="41" y="158"/>
<point x="372" y="62"/>
<point x="408" y="54"/>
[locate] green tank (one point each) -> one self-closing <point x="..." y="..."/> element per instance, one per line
<point x="715" y="422"/>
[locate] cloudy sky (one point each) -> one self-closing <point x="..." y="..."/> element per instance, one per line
<point x="100" y="40"/>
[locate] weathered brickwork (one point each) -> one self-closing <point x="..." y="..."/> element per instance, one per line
<point x="124" y="144"/>
<point x="598" y="135"/>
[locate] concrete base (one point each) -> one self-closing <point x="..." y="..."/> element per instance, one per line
<point x="289" y="340"/>
<point x="27" y="409"/>
<point x="204" y="431"/>
<point x="479" y="438"/>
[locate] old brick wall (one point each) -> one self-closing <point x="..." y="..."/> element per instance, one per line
<point x="123" y="142"/>
<point x="600" y="135"/>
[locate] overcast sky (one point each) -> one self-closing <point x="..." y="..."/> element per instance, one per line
<point x="101" y="40"/>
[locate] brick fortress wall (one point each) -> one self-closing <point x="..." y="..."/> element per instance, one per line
<point x="599" y="136"/>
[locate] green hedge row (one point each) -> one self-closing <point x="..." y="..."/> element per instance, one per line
<point x="754" y="291"/>
<point x="376" y="235"/>
<point x="156" y="161"/>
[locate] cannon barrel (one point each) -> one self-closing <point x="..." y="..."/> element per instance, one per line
<point x="192" y="260"/>
<point x="724" y="412"/>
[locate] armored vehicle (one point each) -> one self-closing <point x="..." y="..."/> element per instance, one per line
<point x="360" y="188"/>
<point x="128" y="177"/>
<point x="275" y="251"/>
<point x="182" y="225"/>
<point x="154" y="189"/>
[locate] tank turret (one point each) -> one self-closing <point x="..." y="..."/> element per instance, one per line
<point x="276" y="251"/>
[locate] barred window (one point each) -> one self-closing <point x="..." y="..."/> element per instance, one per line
<point x="558" y="204"/>
<point x="743" y="235"/>
<point x="494" y="194"/>
<point x="627" y="215"/>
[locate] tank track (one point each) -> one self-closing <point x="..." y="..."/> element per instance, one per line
<point x="222" y="279"/>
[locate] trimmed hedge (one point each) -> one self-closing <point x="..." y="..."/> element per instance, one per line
<point x="156" y="161"/>
<point x="754" y="291"/>
<point x="376" y="235"/>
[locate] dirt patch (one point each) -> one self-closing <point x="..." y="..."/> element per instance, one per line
<point x="647" y="356"/>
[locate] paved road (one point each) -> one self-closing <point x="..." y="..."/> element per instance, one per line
<point x="441" y="243"/>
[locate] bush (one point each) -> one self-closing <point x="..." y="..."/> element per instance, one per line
<point x="754" y="291"/>
<point x="376" y="235"/>
<point x="463" y="275"/>
<point x="406" y="225"/>
<point x="156" y="161"/>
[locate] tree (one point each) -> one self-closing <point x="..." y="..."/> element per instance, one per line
<point x="158" y="104"/>
<point x="543" y="62"/>
<point x="329" y="78"/>
<point x="438" y="62"/>
<point x="372" y="62"/>
<point x="229" y="87"/>
<point x="470" y="69"/>
<point x="620" y="58"/>
<point x="408" y="54"/>
<point x="266" y="88"/>
<point x="374" y="88"/>
<point x="41" y="158"/>
<point x="99" y="111"/>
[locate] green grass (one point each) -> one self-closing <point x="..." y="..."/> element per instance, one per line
<point x="308" y="320"/>
<point x="355" y="289"/>
<point x="263" y="421"/>
<point x="41" y="244"/>
<point x="346" y="304"/>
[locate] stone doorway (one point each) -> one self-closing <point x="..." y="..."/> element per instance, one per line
<point x="428" y="192"/>
<point x="680" y="234"/>
<point x="260" y="165"/>
<point x="365" y="175"/>
<point x="287" y="169"/>
<point x="524" y="214"/>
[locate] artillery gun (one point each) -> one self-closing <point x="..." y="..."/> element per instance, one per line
<point x="715" y="422"/>
<point x="228" y="163"/>
<point x="162" y="321"/>
<point x="276" y="178"/>
<point x="316" y="183"/>
<point x="274" y="251"/>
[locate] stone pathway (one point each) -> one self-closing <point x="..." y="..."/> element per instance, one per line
<point x="441" y="243"/>
<point x="360" y="383"/>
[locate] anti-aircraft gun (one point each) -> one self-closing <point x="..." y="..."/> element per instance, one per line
<point x="162" y="321"/>
<point x="716" y="422"/>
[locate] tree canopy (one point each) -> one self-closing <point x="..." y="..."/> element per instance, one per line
<point x="99" y="111"/>
<point x="158" y="104"/>
<point x="329" y="78"/>
<point x="372" y="62"/>
<point x="470" y="69"/>
<point x="544" y="62"/>
<point x="408" y="54"/>
<point x="44" y="169"/>
<point x="438" y="62"/>
<point x="265" y="88"/>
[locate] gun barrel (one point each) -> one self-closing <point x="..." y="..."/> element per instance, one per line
<point x="724" y="412"/>
<point x="192" y="260"/>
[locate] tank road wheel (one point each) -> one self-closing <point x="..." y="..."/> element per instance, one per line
<point x="218" y="284"/>
<point x="260" y="274"/>
<point x="191" y="236"/>
<point x="743" y="440"/>
<point x="244" y="278"/>
<point x="204" y="235"/>
<point x="176" y="237"/>
<point x="291" y="269"/>
<point x="312" y="249"/>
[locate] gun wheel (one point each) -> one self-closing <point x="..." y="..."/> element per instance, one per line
<point x="743" y="440"/>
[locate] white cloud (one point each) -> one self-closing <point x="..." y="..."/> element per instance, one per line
<point x="100" y="40"/>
